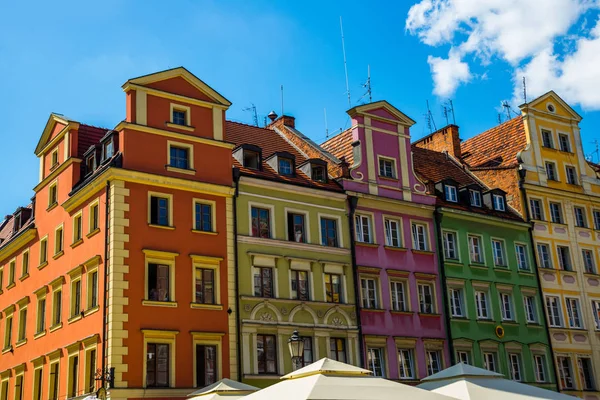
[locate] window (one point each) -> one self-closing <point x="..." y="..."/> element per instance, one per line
<point x="499" y="258"/>
<point x="204" y="286"/>
<point x="263" y="282"/>
<point x="475" y="251"/>
<point x="425" y="298"/>
<point x="25" y="263"/>
<point x="337" y="349"/>
<point x="481" y="303"/>
<point x="53" y="194"/>
<point x="329" y="233"/>
<point x="515" y="367"/>
<point x="565" y="374"/>
<point x="556" y="213"/>
<point x="596" y="219"/>
<point x="54" y="379"/>
<point x="203" y="217"/>
<point x="564" y="258"/>
<point x="398" y="296"/>
<point x="22" y="324"/>
<point x="506" y="307"/>
<point x="57" y="308"/>
<point x="551" y="171"/>
<point x="554" y="314"/>
<point x="37" y="384"/>
<point x="19" y="387"/>
<point x="58" y="240"/>
<point x="536" y="209"/>
<point x="90" y="163"/>
<point x="333" y="288"/>
<point x="308" y="351"/>
<point x="386" y="168"/>
<point x="179" y="157"/>
<point x="375" y="361"/>
<point x="588" y="261"/>
<point x="251" y="159"/>
<point x="11" y="272"/>
<point x="108" y="149"/>
<point x="261" y="224"/>
<point x="8" y="327"/>
<point x="285" y="166"/>
<point x="94" y="225"/>
<point x="540" y="367"/>
<point x="300" y="285"/>
<point x="586" y="373"/>
<point x="159" y="210"/>
<point x="450" y="250"/>
<point x="574" y="313"/>
<point x="157" y="364"/>
<point x="419" y="232"/>
<point x="564" y="142"/>
<point x="41" y="316"/>
<point x="489" y="362"/>
<point x="92" y="289"/>
<point x="463" y="357"/>
<point x="44" y="250"/>
<point x="4" y="389"/>
<point x="456" y="302"/>
<point x="521" y="252"/>
<point x="73" y="375"/>
<point x="266" y="354"/>
<point x="392" y="233"/>
<point x="475" y="197"/>
<point x="75" y="298"/>
<point x="596" y="311"/>
<point x="54" y="158"/>
<point x="90" y="371"/>
<point x="369" y="293"/>
<point x="1" y="278"/>
<point x="530" y="309"/>
<point x="206" y="365"/>
<point x="318" y="174"/>
<point x="406" y="369"/>
<point x="544" y="256"/>
<point x="179" y="117"/>
<point x="580" y="219"/>
<point x="296" y="227"/>
<point x="450" y="193"/>
<point x="77" y="228"/>
<point x="363" y="228"/>
<point x="158" y="282"/>
<point x="571" y="175"/>
<point x="499" y="203"/>
<point x="547" y="139"/>
<point x="434" y="362"/>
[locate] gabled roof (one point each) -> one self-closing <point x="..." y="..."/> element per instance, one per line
<point x="7" y="232"/>
<point x="462" y="370"/>
<point x="225" y="386"/>
<point x="327" y="366"/>
<point x="340" y="146"/>
<point x="52" y="121"/>
<point x="365" y="108"/>
<point x="553" y="96"/>
<point x="183" y="73"/>
<point x="497" y="147"/>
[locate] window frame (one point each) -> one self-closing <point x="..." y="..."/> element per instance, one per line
<point x="405" y="294"/>
<point x="208" y="339"/>
<point x="554" y="169"/>
<point x="426" y="239"/>
<point x="169" y="198"/>
<point x="180" y="108"/>
<point x="93" y="224"/>
<point x="540" y="378"/>
<point x="540" y="208"/>
<point x="590" y="373"/>
<point x="89" y="288"/>
<point x="527" y="267"/>
<point x="431" y="286"/>
<point x="446" y="234"/>
<point x="338" y="224"/>
<point x="207" y="263"/>
<point x="534" y="309"/>
<point x="549" y="144"/>
<point x="562" y="136"/>
<point x="372" y="360"/>
<point x="271" y="220"/>
<point x="457" y="304"/>
<point x="213" y="215"/>
<point x="494" y="358"/>
<point x="429" y="362"/>
<point x="359" y="222"/>
<point x="387" y="226"/>
<point x="486" y="302"/>
<point x="479" y="238"/>
<point x="592" y="259"/>
<point x="596" y="313"/>
<point x="289" y="212"/>
<point x="565" y="260"/>
<point x="366" y="301"/>
<point x="561" y="372"/>
<point x="504" y="261"/>
<point x="53" y="194"/>
<point x="571" y="175"/>
<point x="499" y="202"/>
<point x="341" y="294"/>
<point x="411" y="363"/>
<point x="574" y="315"/>
<point x="580" y="212"/>
<point x="160" y="337"/>
<point x="260" y="269"/>
<point x="515" y="374"/>
<point x="475" y="195"/>
<point x="189" y="148"/>
<point x="503" y="311"/>
<point x="541" y="260"/>
<point x="596" y="216"/>
<point x="77" y="232"/>
<point x="265" y="352"/>
<point x="451" y="193"/>
<point x="551" y="315"/>
<point x="338" y="352"/>
<point x="393" y="169"/>
<point x="160" y="258"/>
<point x="59" y="245"/>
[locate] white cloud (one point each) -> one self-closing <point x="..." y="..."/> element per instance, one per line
<point x="448" y="73"/>
<point x="523" y="33"/>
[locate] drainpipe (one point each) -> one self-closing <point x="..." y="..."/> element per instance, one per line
<point x="522" y="173"/>
<point x="440" y="251"/>
<point x="352" y="203"/>
<point x="106" y="250"/>
<point x="236" y="181"/>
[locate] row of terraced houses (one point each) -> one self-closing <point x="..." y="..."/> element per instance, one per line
<point x="180" y="247"/>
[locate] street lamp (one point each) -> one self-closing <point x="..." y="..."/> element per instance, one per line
<point x="296" y="345"/>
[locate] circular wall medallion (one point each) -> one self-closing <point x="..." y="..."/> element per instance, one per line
<point x="550" y="107"/>
<point x="500" y="331"/>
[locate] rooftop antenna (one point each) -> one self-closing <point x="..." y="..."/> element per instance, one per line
<point x="506" y="108"/>
<point x="345" y="64"/>
<point x="430" y="121"/>
<point x="254" y="114"/>
<point x="445" y="113"/>
<point x="367" y="84"/>
<point x="499" y="119"/>
<point x="326" y="128"/>
<point x="265" y="121"/>
<point x="452" y="109"/>
<point x="595" y="152"/>
<point x="281" y="99"/>
<point x="524" y="90"/>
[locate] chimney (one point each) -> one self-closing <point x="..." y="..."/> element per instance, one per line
<point x="284" y="120"/>
<point x="345" y="167"/>
<point x="443" y="140"/>
<point x="272" y="116"/>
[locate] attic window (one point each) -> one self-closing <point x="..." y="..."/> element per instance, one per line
<point x="550" y="107"/>
<point x="17" y="224"/>
<point x="475" y="196"/>
<point x="54" y="158"/>
<point x="450" y="193"/>
<point x="285" y="166"/>
<point x="108" y="149"/>
<point x="318" y="173"/>
<point x="251" y="159"/>
<point x="90" y="163"/>
<point x="179" y="117"/>
<point x="499" y="203"/>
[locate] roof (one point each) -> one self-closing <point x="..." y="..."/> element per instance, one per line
<point x="496" y="147"/>
<point x="461" y="370"/>
<point x="341" y="146"/>
<point x="225" y="386"/>
<point x="328" y="366"/>
<point x="271" y="142"/>
<point x="7" y="232"/>
<point x="88" y="136"/>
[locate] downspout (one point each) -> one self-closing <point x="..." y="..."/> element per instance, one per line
<point x="104" y="305"/>
<point x="352" y="203"/>
<point x="236" y="181"/>
<point x="440" y="251"/>
<point x="522" y="173"/>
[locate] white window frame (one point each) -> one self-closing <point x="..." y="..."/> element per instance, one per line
<point x="539" y="360"/>
<point x="456" y="301"/>
<point x="451" y="193"/>
<point x="499" y="203"/>
<point x="555" y="171"/>
<point x="405" y="295"/>
<point x="486" y="302"/>
<point x="387" y="226"/>
<point x="582" y="215"/>
<point x="421" y="294"/>
<point x="366" y="301"/>
<point x="414" y="227"/>
<point x="507" y="314"/>
<point x="530" y="308"/>
<point x="475" y="197"/>
<point x="516" y="373"/>
<point x="522" y="263"/>
<point x="540" y="205"/>
<point x="408" y="362"/>
<point x="574" y="312"/>
<point x="548" y="257"/>
<point x="592" y="260"/>
<point x="362" y="221"/>
<point x="550" y="311"/>
<point x="481" y="252"/>
<point x="487" y="355"/>
<point x="450" y="241"/>
<point x="571" y="175"/>
<point x="393" y="167"/>
<point x="502" y="256"/>
<point x="596" y="312"/>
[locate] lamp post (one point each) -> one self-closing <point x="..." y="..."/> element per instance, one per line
<point x="296" y="345"/>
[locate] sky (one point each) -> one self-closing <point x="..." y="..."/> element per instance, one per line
<point x="71" y="57"/>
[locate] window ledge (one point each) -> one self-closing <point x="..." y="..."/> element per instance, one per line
<point x="525" y="272"/>
<point x="394" y="248"/>
<point x="510" y="322"/>
<point x="91" y="310"/>
<point x="425" y="252"/>
<point x="74" y="318"/>
<point x="377" y="310"/>
<point x="201" y="306"/>
<point x="367" y="244"/>
<point x="388" y="178"/>
<point x="92" y="233"/>
<point x="591" y="274"/>
<point x="76" y="243"/>
<point x="182" y="127"/>
<point x="10" y="286"/>
<point x="397" y="312"/>
<point x="42" y="265"/>
<point x="40" y="334"/>
<point x="205" y="232"/>
<point x="55" y="327"/>
<point x="6" y="349"/>
<point x="187" y="171"/>
<point x="534" y="325"/>
<point x="168" y="227"/>
<point x="429" y="315"/>
<point x="52" y="206"/>
<point x="24" y="276"/>
<point x="502" y="268"/>
<point x="20" y="343"/>
<point x="154" y="303"/>
<point x="486" y="320"/>
<point x="452" y="262"/>
<point x="58" y="255"/>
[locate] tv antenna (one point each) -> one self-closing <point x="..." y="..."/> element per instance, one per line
<point x="524" y="91"/>
<point x="345" y="63"/>
<point x="367" y="85"/>
<point x="281" y="100"/>
<point x="445" y="113"/>
<point x="429" y="119"/>
<point x="451" y="108"/>
<point x="595" y="152"/>
<point x="507" y="108"/>
<point x="252" y="108"/>
<point x="326" y="128"/>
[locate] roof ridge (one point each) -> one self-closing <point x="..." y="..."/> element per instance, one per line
<point x="490" y="129"/>
<point x="333" y="137"/>
<point x="248" y="125"/>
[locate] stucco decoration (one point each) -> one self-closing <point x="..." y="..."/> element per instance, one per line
<point x="304" y="310"/>
<point x="336" y="312"/>
<point x="263" y="308"/>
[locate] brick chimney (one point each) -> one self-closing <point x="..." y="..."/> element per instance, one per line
<point x="284" y="120"/>
<point x="444" y="139"/>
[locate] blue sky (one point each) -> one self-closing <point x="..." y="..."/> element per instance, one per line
<point x="73" y="57"/>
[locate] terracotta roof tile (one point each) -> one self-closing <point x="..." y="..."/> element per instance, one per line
<point x="341" y="146"/>
<point x="7" y="232"/>
<point x="496" y="147"/>
<point x="88" y="136"/>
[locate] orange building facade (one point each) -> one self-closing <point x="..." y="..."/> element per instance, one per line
<point x="121" y="271"/>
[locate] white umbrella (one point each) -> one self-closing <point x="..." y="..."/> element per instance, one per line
<point x="332" y="380"/>
<point x="466" y="382"/>
<point x="225" y="389"/>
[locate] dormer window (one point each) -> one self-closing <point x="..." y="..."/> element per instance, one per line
<point x="451" y="193"/>
<point x="17" y="224"/>
<point x="499" y="203"/>
<point x="475" y="197"/>
<point x="179" y="117"/>
<point x="90" y="163"/>
<point x="318" y="173"/>
<point x="285" y="166"/>
<point x="251" y="159"/>
<point x="108" y="149"/>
